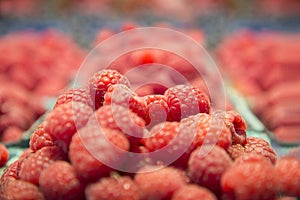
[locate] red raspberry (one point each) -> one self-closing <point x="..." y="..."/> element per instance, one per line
<point x="58" y="181"/>
<point x="113" y="188"/>
<point x="178" y="138"/>
<point x="88" y="150"/>
<point x="4" y="155"/>
<point x="40" y="139"/>
<point x="237" y="126"/>
<point x="287" y="171"/>
<point x="192" y="192"/>
<point x="253" y="145"/>
<point x="157" y="109"/>
<point x="206" y="166"/>
<point x="262" y="147"/>
<point x="101" y="81"/>
<point x="19" y="190"/>
<point x="11" y="172"/>
<point x="119" y="118"/>
<point x="12" y="134"/>
<point x="75" y="95"/>
<point x="249" y="179"/>
<point x="32" y="167"/>
<point x="121" y="95"/>
<point x="208" y="131"/>
<point x="64" y="120"/>
<point x="160" y="184"/>
<point x="184" y="101"/>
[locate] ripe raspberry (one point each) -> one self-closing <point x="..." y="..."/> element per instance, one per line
<point x="101" y="81"/>
<point x="19" y="190"/>
<point x="261" y="147"/>
<point x="58" y="181"/>
<point x="113" y="188"/>
<point x="40" y="139"/>
<point x="184" y="101"/>
<point x="208" y="131"/>
<point x="121" y="95"/>
<point x="160" y="184"/>
<point x="178" y="138"/>
<point x="119" y="118"/>
<point x="192" y="192"/>
<point x="90" y="152"/>
<point x="157" y="109"/>
<point x="33" y="165"/>
<point x="4" y="155"/>
<point x="288" y="172"/>
<point x="12" y="134"/>
<point x="237" y="126"/>
<point x="207" y="169"/>
<point x="250" y="179"/>
<point x="75" y="95"/>
<point x="64" y="120"/>
<point x="11" y="172"/>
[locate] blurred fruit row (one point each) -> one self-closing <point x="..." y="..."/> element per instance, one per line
<point x="264" y="67"/>
<point x="179" y="9"/>
<point x="32" y="66"/>
<point x="87" y="147"/>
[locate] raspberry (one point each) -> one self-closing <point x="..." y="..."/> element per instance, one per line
<point x="160" y="184"/>
<point x="157" y="109"/>
<point x="288" y="172"/>
<point x="101" y="81"/>
<point x="19" y="190"/>
<point x="64" y="120"/>
<point x="192" y="192"/>
<point x="11" y="172"/>
<point x="12" y="134"/>
<point x="58" y="181"/>
<point x="250" y="179"/>
<point x="4" y="155"/>
<point x="40" y="139"/>
<point x="75" y="95"/>
<point x="237" y="126"/>
<point x="119" y="118"/>
<point x="113" y="188"/>
<point x="207" y="131"/>
<point x="261" y="147"/>
<point x="184" y="101"/>
<point x="33" y="165"/>
<point x="89" y="149"/>
<point x="178" y="138"/>
<point x="253" y="145"/>
<point x="123" y="96"/>
<point x="207" y="169"/>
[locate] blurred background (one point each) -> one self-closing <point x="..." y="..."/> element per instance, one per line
<point x="254" y="43"/>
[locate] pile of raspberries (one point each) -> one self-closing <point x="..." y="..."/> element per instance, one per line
<point x="67" y="158"/>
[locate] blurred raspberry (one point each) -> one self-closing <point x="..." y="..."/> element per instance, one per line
<point x="18" y="189"/>
<point x="65" y="120"/>
<point x="160" y="184"/>
<point x="287" y="171"/>
<point x="92" y="148"/>
<point x="58" y="181"/>
<point x="4" y="155"/>
<point x="12" y="134"/>
<point x="192" y="192"/>
<point x="113" y="188"/>
<point x="247" y="180"/>
<point x="206" y="166"/>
